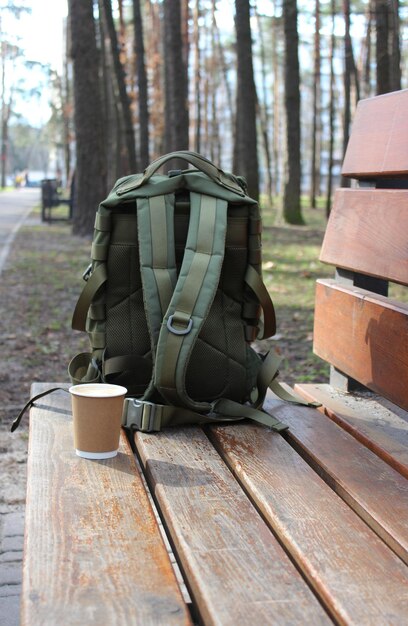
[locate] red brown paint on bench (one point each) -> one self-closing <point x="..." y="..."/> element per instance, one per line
<point x="364" y="336"/>
<point x="379" y="138"/>
<point x="350" y="568"/>
<point x="236" y="570"/>
<point x="367" y="233"/>
<point x="93" y="550"/>
<point x="383" y="429"/>
<point x="372" y="488"/>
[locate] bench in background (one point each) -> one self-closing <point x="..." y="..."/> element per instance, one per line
<point x="51" y="198"/>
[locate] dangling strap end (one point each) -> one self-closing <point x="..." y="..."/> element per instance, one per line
<point x="30" y="403"/>
<point x="279" y="427"/>
<point x="16" y="422"/>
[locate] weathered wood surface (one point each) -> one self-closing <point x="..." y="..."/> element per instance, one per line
<point x="379" y="138"/>
<point x="372" y="488"/>
<point x="367" y="233"/>
<point x="383" y="429"/>
<point x="235" y="569"/>
<point x="364" y="336"/>
<point x="93" y="550"/>
<point x="357" y="577"/>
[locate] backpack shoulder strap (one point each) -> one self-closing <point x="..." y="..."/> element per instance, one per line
<point x="155" y="216"/>
<point x="192" y="298"/>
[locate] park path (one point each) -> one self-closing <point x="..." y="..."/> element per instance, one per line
<point x="15" y="207"/>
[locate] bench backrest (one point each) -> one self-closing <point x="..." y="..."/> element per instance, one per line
<point x="358" y="329"/>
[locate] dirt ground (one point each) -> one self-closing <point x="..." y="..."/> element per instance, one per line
<point x="38" y="291"/>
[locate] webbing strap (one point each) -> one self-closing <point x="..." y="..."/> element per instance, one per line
<point x="194" y="293"/>
<point x="94" y="282"/>
<point x="150" y="417"/>
<point x="267" y="379"/>
<point x="128" y="362"/>
<point x="31" y="402"/>
<point x="157" y="257"/>
<point x="255" y="282"/>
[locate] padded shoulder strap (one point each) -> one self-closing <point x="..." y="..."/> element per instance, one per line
<point x="155" y="218"/>
<point x="194" y="293"/>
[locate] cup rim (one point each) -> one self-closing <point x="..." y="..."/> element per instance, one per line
<point x="117" y="390"/>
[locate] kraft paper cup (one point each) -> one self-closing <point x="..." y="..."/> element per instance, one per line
<point x="97" y="415"/>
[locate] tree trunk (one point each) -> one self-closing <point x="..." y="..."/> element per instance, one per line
<point x="291" y="200"/>
<point x="90" y="177"/>
<point x="245" y="147"/>
<point x="197" y="78"/>
<point x="175" y="78"/>
<point x="114" y="134"/>
<point x="131" y="164"/>
<point x="382" y="54"/>
<point x="5" y="115"/>
<point x="316" y="130"/>
<point x="331" y="111"/>
<point x="142" y="85"/>
<point x="154" y="59"/>
<point x="276" y="138"/>
<point x="395" y="51"/>
<point x="263" y="113"/>
<point x="348" y="69"/>
<point x="229" y="112"/>
<point x="366" y="65"/>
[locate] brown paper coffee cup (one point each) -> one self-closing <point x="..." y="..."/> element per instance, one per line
<point x="97" y="415"/>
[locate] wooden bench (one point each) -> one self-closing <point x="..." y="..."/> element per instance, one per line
<point x="51" y="198"/>
<point x="306" y="528"/>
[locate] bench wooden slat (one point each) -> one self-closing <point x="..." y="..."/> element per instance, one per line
<point x="93" y="549"/>
<point x="352" y="321"/>
<point x="381" y="429"/>
<point x="372" y="488"/>
<point x="366" y="233"/>
<point x="379" y="138"/>
<point x="346" y="563"/>
<point x="235" y="569"/>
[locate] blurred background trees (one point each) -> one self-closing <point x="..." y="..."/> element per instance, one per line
<point x="264" y="88"/>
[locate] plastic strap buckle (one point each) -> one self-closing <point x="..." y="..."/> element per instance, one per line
<point x="142" y="415"/>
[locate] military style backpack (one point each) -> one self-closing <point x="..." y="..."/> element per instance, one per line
<point x="174" y="297"/>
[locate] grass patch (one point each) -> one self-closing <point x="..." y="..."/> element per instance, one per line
<point x="38" y="291"/>
<point x="290" y="268"/>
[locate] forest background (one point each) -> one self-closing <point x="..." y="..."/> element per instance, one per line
<point x="266" y="89"/>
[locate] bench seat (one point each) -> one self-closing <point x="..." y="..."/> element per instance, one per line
<point x="309" y="527"/>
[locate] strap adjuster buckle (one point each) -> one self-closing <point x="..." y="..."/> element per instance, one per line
<point x="141" y="415"/>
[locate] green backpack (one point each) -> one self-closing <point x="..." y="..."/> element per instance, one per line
<point x="174" y="297"/>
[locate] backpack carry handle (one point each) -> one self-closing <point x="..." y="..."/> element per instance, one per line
<point x="198" y="161"/>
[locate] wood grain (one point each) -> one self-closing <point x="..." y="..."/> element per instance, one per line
<point x="365" y="336"/>
<point x="382" y="429"/>
<point x="357" y="577"/>
<point x="367" y="233"/>
<point x="236" y="571"/>
<point x="378" y="143"/>
<point x="372" y="488"/>
<point x="93" y="551"/>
